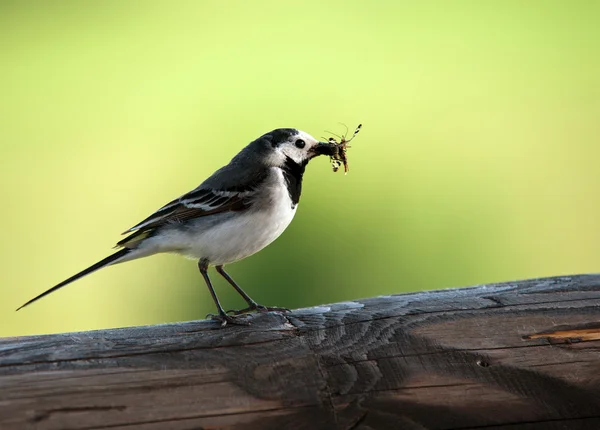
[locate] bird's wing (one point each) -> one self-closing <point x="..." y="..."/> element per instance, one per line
<point x="226" y="190"/>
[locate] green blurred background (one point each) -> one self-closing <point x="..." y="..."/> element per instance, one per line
<point x="477" y="161"/>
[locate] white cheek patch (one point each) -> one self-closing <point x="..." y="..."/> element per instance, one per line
<point x="299" y="155"/>
<point x="276" y="157"/>
<point x="289" y="149"/>
<point x="296" y="154"/>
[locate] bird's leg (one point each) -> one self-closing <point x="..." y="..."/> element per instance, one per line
<point x="222" y="315"/>
<point x="252" y="305"/>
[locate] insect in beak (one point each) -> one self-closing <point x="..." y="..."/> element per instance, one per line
<point x="338" y="156"/>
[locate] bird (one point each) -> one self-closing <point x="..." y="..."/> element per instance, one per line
<point x="239" y="210"/>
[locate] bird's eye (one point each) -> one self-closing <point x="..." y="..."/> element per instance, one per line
<point x="300" y="143"/>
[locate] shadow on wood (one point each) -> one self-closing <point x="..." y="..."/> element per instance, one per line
<point x="517" y="355"/>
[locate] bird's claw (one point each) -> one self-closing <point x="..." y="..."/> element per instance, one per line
<point x="225" y="319"/>
<point x="256" y="308"/>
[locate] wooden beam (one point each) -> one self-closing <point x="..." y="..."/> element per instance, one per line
<point x="516" y="355"/>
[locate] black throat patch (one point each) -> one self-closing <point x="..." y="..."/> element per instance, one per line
<point x="292" y="173"/>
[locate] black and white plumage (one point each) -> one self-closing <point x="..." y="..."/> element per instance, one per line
<point x="236" y="212"/>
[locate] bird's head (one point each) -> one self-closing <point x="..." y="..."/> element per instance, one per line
<point x="279" y="146"/>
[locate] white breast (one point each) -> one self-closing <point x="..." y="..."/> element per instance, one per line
<point x="230" y="237"/>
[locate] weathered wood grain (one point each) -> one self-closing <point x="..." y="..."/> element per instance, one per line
<point x="517" y="355"/>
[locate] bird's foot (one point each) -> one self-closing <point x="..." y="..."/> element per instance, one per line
<point x="225" y="319"/>
<point x="257" y="308"/>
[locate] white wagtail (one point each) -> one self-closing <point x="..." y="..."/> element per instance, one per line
<point x="235" y="213"/>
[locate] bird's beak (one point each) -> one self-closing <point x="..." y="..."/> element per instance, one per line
<point x="322" y="148"/>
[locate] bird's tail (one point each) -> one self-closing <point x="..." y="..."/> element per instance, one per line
<point x="112" y="259"/>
